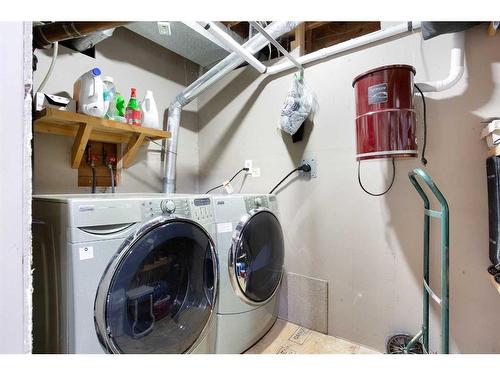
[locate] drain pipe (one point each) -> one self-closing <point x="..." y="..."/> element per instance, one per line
<point x="220" y="70"/>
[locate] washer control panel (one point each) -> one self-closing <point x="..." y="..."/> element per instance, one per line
<point x="202" y="209"/>
<point x="156" y="207"/>
<point x="198" y="209"/>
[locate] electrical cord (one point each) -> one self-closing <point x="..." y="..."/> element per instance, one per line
<point x="159" y="144"/>
<point x="110" y="166"/>
<point x="303" y="167"/>
<point x="232" y="178"/>
<point x="51" y="67"/>
<point x="377" y="194"/>
<point x="94" y="180"/>
<point x="423" y="159"/>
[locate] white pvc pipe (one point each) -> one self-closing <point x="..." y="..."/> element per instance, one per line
<point x="456" y="68"/>
<point x="275" y="43"/>
<point x="232" y="45"/>
<point x="456" y="63"/>
<point x="200" y="30"/>
<point x="346" y="46"/>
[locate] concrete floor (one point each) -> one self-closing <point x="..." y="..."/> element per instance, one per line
<point x="289" y="338"/>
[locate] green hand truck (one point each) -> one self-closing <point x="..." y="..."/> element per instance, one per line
<point x="404" y="344"/>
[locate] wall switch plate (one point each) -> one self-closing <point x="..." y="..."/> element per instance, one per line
<point x="255" y="172"/>
<point x="314" y="168"/>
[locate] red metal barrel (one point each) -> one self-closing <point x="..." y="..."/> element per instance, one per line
<point x="385" y="118"/>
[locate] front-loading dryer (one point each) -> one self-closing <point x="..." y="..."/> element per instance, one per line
<point x="124" y="273"/>
<point x="251" y="253"/>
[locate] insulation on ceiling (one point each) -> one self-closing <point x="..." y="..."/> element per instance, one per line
<point x="183" y="40"/>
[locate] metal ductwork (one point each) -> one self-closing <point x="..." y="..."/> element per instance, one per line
<point x="45" y="35"/>
<point x="220" y="70"/>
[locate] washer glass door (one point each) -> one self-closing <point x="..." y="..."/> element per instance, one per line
<point x="257" y="256"/>
<point x="159" y="290"/>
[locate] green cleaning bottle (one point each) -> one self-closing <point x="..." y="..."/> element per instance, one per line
<point x="120" y="105"/>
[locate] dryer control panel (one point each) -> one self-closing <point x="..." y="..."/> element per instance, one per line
<point x="257" y="201"/>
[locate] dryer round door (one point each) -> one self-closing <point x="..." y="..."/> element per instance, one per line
<point x="256" y="257"/>
<point x="158" y="293"/>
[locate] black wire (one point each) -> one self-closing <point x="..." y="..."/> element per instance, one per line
<point x="232" y="178"/>
<point x="216" y="187"/>
<point x="112" y="178"/>
<point x="377" y="194"/>
<point x="423" y="159"/>
<point x="94" y="182"/>
<point x="284" y="178"/>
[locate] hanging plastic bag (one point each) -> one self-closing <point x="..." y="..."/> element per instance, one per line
<point x="297" y="107"/>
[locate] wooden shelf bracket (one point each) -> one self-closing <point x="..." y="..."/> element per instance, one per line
<point x="132" y="147"/>
<point x="80" y="143"/>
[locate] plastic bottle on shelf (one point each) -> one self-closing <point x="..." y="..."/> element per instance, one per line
<point x="120" y="108"/>
<point x="133" y="113"/>
<point x="109" y="97"/>
<point x="149" y="111"/>
<point x="88" y="92"/>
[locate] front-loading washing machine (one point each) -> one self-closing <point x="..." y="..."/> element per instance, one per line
<point x="251" y="253"/>
<point x="124" y="273"/>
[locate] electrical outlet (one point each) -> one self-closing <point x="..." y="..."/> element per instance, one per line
<point x="248" y="164"/>
<point x="164" y="28"/>
<point x="255" y="172"/>
<point x="314" y="168"/>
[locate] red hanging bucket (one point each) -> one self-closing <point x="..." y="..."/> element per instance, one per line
<point x="385" y="118"/>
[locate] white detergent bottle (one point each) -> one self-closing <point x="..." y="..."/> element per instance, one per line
<point x="88" y="91"/>
<point x="149" y="111"/>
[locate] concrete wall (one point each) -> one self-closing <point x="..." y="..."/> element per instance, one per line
<point x="15" y="189"/>
<point x="132" y="61"/>
<point x="369" y="249"/>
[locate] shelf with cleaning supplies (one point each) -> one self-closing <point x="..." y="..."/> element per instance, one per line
<point x="88" y="128"/>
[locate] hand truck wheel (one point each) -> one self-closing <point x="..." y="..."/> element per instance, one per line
<point x="397" y="343"/>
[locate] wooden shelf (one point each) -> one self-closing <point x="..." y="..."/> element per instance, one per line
<point x="494" y="283"/>
<point x="85" y="128"/>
